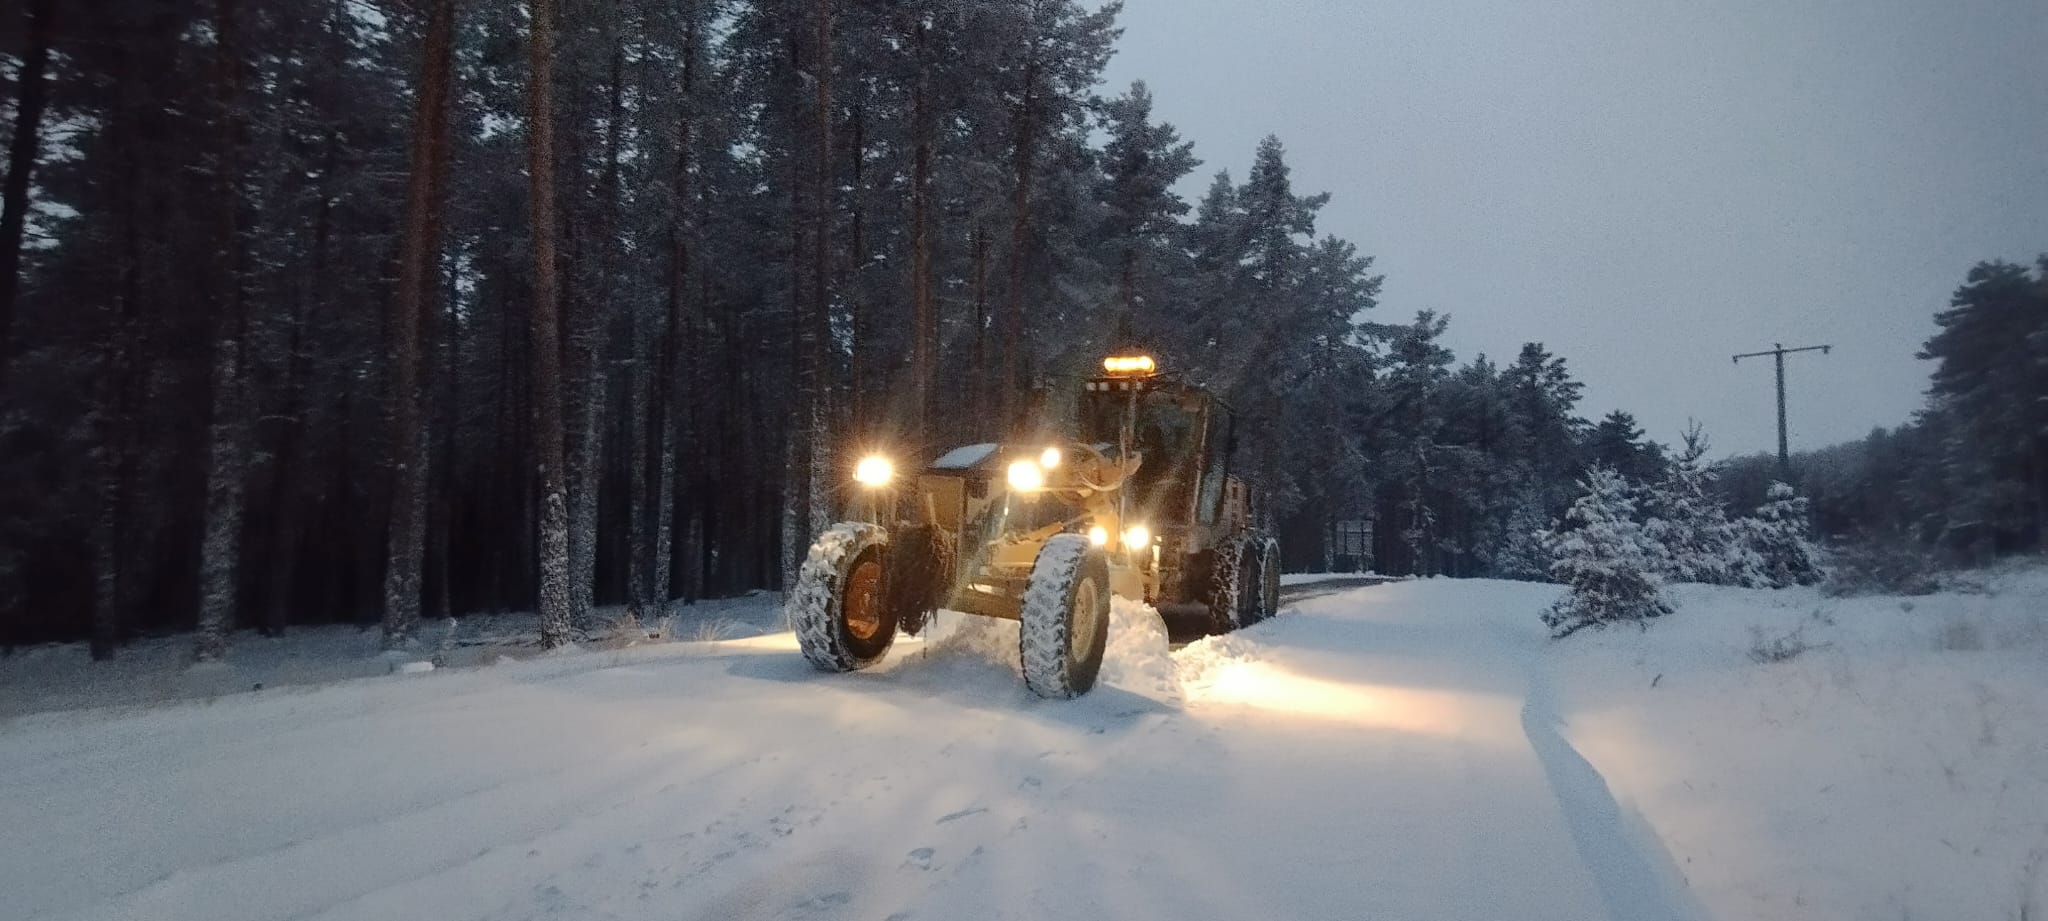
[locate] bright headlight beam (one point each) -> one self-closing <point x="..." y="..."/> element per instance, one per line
<point x="874" y="470"/>
<point x="1137" y="537"/>
<point x="1026" y="476"/>
<point x="1049" y="458"/>
<point x="1098" y="535"/>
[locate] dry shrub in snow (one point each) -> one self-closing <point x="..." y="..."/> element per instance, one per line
<point x="1765" y="648"/>
<point x="1881" y="566"/>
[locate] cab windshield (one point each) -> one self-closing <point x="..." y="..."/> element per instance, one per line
<point x="1167" y="430"/>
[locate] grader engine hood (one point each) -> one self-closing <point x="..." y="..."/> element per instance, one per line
<point x="1038" y="486"/>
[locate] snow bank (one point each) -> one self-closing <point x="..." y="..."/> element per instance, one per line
<point x="153" y="670"/>
<point x="1894" y="766"/>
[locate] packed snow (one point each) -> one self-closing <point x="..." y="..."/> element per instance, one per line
<point x="1416" y="749"/>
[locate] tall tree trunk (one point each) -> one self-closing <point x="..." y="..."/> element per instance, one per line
<point x="418" y="282"/>
<point x="1025" y="162"/>
<point x="446" y="338"/>
<point x="856" y="285"/>
<point x="21" y="162"/>
<point x="924" y="321"/>
<point x="227" y="458"/>
<point x="114" y="423"/>
<point x="1127" y="298"/>
<point x="285" y="469"/>
<point x="985" y="395"/>
<point x="796" y="479"/>
<point x="820" y="364"/>
<point x="546" y="329"/>
<point x="669" y="392"/>
<point x="593" y="325"/>
<point x="639" y="585"/>
<point x="285" y="535"/>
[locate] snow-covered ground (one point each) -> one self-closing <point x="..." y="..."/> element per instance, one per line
<point x="1410" y="750"/>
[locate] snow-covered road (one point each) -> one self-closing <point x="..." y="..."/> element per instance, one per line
<point x="1416" y="750"/>
<point x="1346" y="760"/>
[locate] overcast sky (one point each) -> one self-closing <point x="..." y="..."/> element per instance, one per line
<point x="1646" y="186"/>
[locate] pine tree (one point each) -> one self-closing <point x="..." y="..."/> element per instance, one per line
<point x="1781" y="537"/>
<point x="1603" y="558"/>
<point x="1141" y="163"/>
<point x="1618" y="443"/>
<point x="1685" y="523"/>
<point x="1521" y="554"/>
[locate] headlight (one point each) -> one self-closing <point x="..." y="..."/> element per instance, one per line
<point x="1137" y="538"/>
<point x="1050" y="458"/>
<point x="1098" y="535"/>
<point x="1027" y="476"/>
<point x="874" y="470"/>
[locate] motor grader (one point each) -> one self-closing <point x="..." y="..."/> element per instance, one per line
<point x="1139" y="502"/>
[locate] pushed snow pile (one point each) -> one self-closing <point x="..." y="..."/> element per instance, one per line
<point x="1138" y="657"/>
<point x="1198" y="665"/>
<point x="981" y="639"/>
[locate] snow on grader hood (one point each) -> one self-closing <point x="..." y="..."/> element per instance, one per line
<point x="1139" y="501"/>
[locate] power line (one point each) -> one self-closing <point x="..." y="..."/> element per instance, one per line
<point x="1779" y="351"/>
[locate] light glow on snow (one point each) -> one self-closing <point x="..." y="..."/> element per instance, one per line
<point x="1274" y="689"/>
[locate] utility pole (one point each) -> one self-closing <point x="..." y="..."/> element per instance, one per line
<point x="1779" y="351"/>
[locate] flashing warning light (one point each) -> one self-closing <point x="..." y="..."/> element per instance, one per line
<point x="1129" y="364"/>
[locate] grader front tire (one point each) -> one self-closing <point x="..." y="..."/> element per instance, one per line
<point x="1065" y="618"/>
<point x="839" y="609"/>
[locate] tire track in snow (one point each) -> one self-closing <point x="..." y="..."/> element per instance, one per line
<point x="1634" y="874"/>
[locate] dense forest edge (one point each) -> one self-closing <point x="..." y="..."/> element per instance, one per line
<point x="370" y="311"/>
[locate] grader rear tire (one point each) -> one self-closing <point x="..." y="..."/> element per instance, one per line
<point x="1269" y="577"/>
<point x="1245" y="586"/>
<point x="1065" y="618"/>
<point x="839" y="609"/>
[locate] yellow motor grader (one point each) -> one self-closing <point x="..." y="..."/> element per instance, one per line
<point x="1139" y="503"/>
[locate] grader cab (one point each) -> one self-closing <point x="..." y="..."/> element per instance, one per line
<point x="1138" y="501"/>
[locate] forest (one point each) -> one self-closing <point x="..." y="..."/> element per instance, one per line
<point x="369" y="311"/>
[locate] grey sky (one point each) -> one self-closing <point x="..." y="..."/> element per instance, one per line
<point x="1646" y="186"/>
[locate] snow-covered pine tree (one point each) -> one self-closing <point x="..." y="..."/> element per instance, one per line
<point x="1603" y="556"/>
<point x="1690" y="534"/>
<point x="1522" y="554"/>
<point x="1780" y="536"/>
